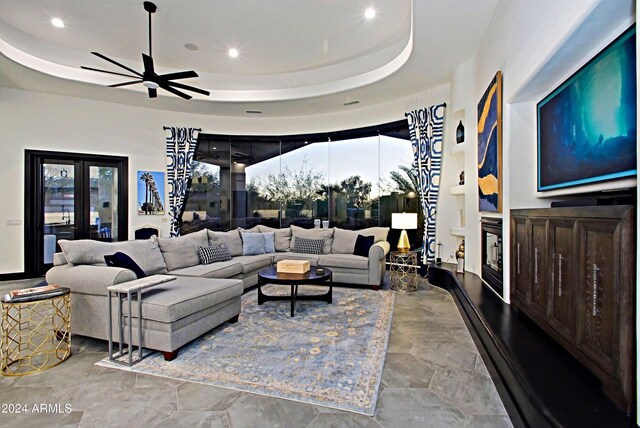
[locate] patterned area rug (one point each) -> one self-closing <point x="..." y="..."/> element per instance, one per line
<point x="328" y="355"/>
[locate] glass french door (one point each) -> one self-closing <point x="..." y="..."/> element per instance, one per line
<point x="73" y="197"/>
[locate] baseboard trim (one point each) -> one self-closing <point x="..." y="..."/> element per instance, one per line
<point x="13" y="276"/>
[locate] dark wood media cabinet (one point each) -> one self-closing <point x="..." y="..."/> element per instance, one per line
<point x="573" y="273"/>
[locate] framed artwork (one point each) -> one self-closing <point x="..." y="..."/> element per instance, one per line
<point x="490" y="147"/>
<point x="587" y="125"/>
<point x="150" y="193"/>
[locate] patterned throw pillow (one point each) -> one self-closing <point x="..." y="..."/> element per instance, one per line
<point x="308" y="246"/>
<point x="215" y="253"/>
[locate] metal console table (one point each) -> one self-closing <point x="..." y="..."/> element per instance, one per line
<point x="126" y="291"/>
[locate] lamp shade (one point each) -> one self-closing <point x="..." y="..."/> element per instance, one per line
<point x="404" y="220"/>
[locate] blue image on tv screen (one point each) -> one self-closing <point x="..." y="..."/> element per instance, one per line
<point x="587" y="126"/>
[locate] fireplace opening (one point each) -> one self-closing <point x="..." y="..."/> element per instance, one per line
<point x="492" y="253"/>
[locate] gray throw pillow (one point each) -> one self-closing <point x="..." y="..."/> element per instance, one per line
<point x="282" y="237"/>
<point x="252" y="243"/>
<point x="269" y="242"/>
<point x="308" y="246"/>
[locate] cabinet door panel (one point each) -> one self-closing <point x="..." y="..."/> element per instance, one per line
<point x="519" y="260"/>
<point x="538" y="296"/>
<point x="562" y="283"/>
<point x="599" y="286"/>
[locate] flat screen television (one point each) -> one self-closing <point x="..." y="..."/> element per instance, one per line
<point x="587" y="126"/>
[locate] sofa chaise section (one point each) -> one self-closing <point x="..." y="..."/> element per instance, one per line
<point x="174" y="313"/>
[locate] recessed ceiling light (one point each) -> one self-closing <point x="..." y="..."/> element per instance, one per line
<point x="57" y="22"/>
<point x="370" y="13"/>
<point x="191" y="46"/>
<point x="233" y="53"/>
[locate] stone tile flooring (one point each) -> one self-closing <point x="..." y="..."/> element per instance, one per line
<point x="433" y="377"/>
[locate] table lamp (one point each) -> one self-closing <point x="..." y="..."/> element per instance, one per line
<point x="404" y="221"/>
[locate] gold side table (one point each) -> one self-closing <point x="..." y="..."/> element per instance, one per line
<point x="36" y="333"/>
<point x="404" y="271"/>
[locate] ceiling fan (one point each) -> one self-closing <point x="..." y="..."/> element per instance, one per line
<point x="148" y="77"/>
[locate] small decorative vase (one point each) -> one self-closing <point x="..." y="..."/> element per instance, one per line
<point x="460" y="133"/>
<point x="325" y="224"/>
<point x="316" y="223"/>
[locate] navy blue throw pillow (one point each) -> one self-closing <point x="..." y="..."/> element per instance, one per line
<point x="121" y="260"/>
<point x="363" y="244"/>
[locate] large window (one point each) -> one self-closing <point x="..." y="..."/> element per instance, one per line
<point x="352" y="179"/>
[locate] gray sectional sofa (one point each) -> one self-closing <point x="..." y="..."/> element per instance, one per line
<point x="204" y="295"/>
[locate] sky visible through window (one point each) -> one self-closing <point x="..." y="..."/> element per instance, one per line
<point x="341" y="159"/>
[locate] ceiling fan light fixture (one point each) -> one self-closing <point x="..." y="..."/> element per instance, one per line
<point x="149" y="78"/>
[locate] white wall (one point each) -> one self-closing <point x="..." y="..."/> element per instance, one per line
<point x="30" y="120"/>
<point x="536" y="45"/>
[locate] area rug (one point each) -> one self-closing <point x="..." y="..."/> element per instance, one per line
<point x="327" y="355"/>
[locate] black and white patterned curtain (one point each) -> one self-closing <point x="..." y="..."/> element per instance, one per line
<point x="181" y="146"/>
<point x="425" y="130"/>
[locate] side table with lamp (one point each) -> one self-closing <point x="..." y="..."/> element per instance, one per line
<point x="403" y="269"/>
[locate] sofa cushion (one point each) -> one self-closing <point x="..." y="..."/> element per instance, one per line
<point x="173" y="300"/>
<point x="309" y="246"/>
<point x="252" y="243"/>
<point x="182" y="251"/>
<point x="122" y="260"/>
<point x="231" y="239"/>
<point x="380" y="233"/>
<point x="363" y="244"/>
<point x="344" y="240"/>
<point x="214" y="270"/>
<point x="326" y="234"/>
<point x="282" y="237"/>
<point x="215" y="253"/>
<point x="350" y="261"/>
<point x="313" y="258"/>
<point x="251" y="264"/>
<point x="88" y="279"/>
<point x="145" y="252"/>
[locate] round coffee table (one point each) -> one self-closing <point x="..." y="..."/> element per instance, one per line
<point x="271" y="276"/>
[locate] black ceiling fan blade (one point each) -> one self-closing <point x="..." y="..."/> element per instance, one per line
<point x="125" y="83"/>
<point x="99" y="55"/>
<point x="153" y="93"/>
<point x="110" y="72"/>
<point x="148" y="64"/>
<point x="166" y="87"/>
<point x="179" y="75"/>
<point x="188" y="88"/>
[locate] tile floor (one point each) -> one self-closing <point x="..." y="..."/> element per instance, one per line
<point x="433" y="377"/>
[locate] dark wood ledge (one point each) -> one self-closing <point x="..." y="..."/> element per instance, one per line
<point x="540" y="383"/>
